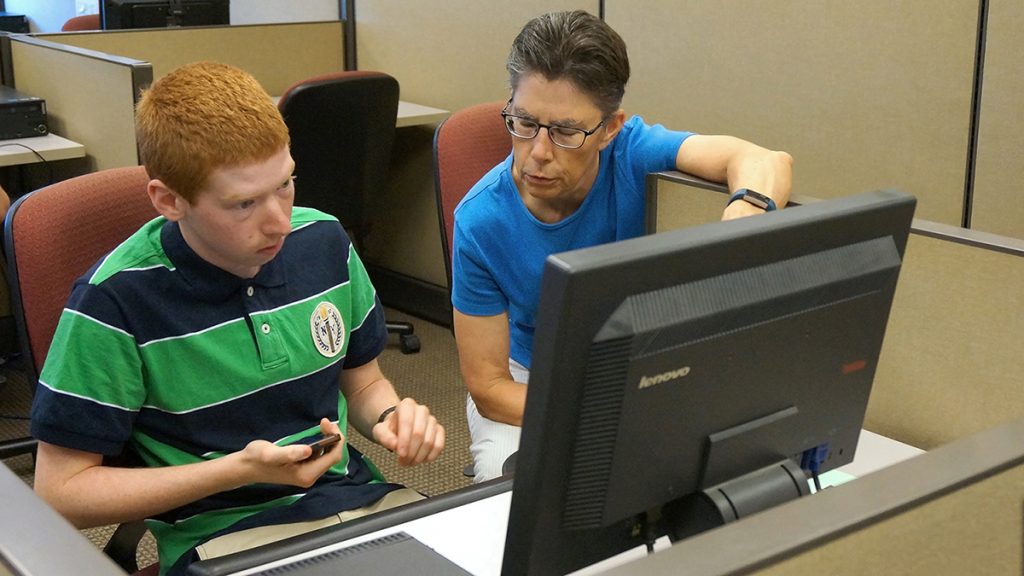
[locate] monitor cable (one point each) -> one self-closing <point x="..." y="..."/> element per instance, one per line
<point x="811" y="462"/>
<point x="44" y="161"/>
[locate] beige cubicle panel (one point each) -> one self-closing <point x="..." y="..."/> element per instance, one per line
<point x="951" y="361"/>
<point x="954" y="511"/>
<point x="864" y="95"/>
<point x="951" y="364"/>
<point x="998" y="185"/>
<point x="449" y="54"/>
<point x="90" y="96"/>
<point x="278" y="55"/>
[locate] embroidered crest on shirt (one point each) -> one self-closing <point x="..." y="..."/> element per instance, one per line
<point x="328" y="329"/>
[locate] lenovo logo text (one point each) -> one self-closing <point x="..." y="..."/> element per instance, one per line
<point x="648" y="381"/>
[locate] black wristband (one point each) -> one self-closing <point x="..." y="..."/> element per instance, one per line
<point x="760" y="200"/>
<point x="385" y="414"/>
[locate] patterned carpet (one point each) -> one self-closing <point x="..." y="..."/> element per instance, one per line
<point x="431" y="376"/>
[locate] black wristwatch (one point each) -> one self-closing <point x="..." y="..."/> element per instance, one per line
<point x="756" y="198"/>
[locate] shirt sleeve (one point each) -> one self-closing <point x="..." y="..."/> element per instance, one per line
<point x="91" y="387"/>
<point x="369" y="328"/>
<point x="651" y="148"/>
<point x="474" y="289"/>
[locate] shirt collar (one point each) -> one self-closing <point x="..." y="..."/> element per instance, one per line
<point x="207" y="281"/>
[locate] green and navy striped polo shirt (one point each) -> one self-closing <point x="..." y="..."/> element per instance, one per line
<point x="163" y="354"/>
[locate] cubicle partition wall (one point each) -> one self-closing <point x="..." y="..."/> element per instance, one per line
<point x="276" y="54"/>
<point x="998" y="185"/>
<point x="951" y="363"/>
<point x="447" y="53"/>
<point x="957" y="510"/>
<point x="91" y="80"/>
<point x="90" y="96"/>
<point x="864" y="95"/>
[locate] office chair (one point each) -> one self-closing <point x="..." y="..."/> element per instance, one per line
<point x="51" y="237"/>
<point x="342" y="128"/>
<point x="83" y="22"/>
<point x="467" y="145"/>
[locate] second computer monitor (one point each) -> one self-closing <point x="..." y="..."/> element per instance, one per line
<point x="125" y="14"/>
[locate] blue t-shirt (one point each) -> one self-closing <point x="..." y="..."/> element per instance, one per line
<point x="499" y="247"/>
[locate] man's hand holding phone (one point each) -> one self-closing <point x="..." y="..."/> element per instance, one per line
<point x="296" y="464"/>
<point x="319" y="443"/>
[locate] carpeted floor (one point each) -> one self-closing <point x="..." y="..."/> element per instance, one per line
<point x="431" y="376"/>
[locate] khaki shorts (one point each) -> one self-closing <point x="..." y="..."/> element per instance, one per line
<point x="253" y="537"/>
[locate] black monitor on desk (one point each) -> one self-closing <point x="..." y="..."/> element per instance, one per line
<point x="124" y="14"/>
<point x="687" y="378"/>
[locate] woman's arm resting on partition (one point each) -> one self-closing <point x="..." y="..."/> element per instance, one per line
<point x="483" y="343"/>
<point x="740" y="164"/>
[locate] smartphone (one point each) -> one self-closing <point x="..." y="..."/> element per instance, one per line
<point x="319" y="443"/>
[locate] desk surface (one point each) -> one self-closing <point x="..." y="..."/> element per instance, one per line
<point x="473" y="534"/>
<point x="412" y="114"/>
<point x="50" y="147"/>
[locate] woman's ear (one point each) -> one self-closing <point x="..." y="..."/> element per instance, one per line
<point x="612" y="127"/>
<point x="166" y="201"/>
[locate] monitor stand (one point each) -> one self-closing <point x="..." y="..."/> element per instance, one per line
<point x="738" y="498"/>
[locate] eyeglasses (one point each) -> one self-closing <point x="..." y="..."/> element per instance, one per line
<point x="561" y="136"/>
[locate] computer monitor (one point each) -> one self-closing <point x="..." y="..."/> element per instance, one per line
<point x="683" y="379"/>
<point x="36" y="541"/>
<point x="123" y="14"/>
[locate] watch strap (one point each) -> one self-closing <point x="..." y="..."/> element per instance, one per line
<point x="387" y="412"/>
<point x="755" y="198"/>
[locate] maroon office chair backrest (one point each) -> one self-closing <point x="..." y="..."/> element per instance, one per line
<point x="466" y="146"/>
<point x="83" y="22"/>
<point x="55" y="234"/>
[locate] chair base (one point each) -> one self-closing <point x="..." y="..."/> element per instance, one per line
<point x="17" y="447"/>
<point x="409" y="342"/>
<point x="123" y="543"/>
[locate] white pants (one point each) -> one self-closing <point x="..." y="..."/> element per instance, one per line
<point x="492" y="442"/>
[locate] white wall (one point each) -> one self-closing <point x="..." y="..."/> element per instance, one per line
<point x="87" y="7"/>
<point x="50" y="15"/>
<point x="268" y="11"/>
<point x="43" y="15"/>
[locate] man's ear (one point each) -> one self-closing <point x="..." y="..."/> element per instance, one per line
<point x="166" y="201"/>
<point x="612" y="127"/>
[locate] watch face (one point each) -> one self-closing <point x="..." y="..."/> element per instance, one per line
<point x="758" y="199"/>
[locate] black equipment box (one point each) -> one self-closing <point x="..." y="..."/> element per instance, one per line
<point x="10" y="22"/>
<point x="21" y="115"/>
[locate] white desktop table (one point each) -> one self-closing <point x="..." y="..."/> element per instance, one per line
<point x="473" y="535"/>
<point x="50" y="147"/>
